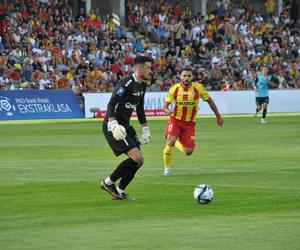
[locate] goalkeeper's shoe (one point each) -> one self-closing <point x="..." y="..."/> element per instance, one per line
<point x="111" y="189"/>
<point x="167" y="172"/>
<point x="124" y="197"/>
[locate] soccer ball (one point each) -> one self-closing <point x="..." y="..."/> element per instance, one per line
<point x="203" y="193"/>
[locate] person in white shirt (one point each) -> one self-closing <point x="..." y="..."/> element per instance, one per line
<point x="196" y="31"/>
<point x="44" y="82"/>
<point x="4" y="81"/>
<point x="258" y="40"/>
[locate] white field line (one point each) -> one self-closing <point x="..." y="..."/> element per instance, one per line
<point x="59" y="121"/>
<point x="40" y="179"/>
<point x="260" y="187"/>
<point x="45" y="169"/>
<point x="55" y="160"/>
<point x="152" y="183"/>
<point x="230" y="186"/>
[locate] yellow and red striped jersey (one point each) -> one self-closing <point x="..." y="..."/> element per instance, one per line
<point x="186" y="100"/>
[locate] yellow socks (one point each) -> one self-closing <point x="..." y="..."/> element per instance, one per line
<point x="167" y="155"/>
<point x="179" y="146"/>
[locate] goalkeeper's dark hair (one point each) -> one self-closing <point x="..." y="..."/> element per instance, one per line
<point x="141" y="60"/>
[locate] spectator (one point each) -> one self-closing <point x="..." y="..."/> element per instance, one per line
<point x="54" y="40"/>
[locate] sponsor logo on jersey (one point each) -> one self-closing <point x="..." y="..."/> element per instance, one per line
<point x="139" y="93"/>
<point x="130" y="106"/>
<point x="185" y="103"/>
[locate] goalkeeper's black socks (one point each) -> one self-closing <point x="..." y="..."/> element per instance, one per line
<point x="126" y="179"/>
<point x="264" y="113"/>
<point x="122" y="170"/>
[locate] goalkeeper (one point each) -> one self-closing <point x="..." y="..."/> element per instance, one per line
<point x="128" y="96"/>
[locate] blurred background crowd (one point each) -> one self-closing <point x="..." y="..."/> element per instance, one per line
<point x="43" y="45"/>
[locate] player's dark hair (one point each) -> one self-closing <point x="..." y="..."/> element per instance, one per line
<point x="186" y="69"/>
<point x="141" y="60"/>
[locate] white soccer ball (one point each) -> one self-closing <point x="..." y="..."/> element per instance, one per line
<point x="203" y="193"/>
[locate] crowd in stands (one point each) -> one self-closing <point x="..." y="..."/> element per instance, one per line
<point x="43" y="45"/>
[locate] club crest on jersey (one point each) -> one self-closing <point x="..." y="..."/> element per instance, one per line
<point x="120" y="91"/>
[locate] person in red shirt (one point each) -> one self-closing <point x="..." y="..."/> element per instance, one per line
<point x="176" y="9"/>
<point x="227" y="86"/>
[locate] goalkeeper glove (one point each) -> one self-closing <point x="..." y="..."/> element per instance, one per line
<point x="145" y="139"/>
<point x="118" y="131"/>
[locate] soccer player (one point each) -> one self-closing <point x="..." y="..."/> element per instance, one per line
<point x="128" y="95"/>
<point x="261" y="87"/>
<point x="180" y="129"/>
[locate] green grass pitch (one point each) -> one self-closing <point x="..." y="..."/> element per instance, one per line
<point x="50" y="196"/>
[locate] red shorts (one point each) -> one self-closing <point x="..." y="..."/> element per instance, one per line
<point x="184" y="131"/>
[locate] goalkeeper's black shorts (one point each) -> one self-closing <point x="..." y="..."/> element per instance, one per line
<point x="122" y="146"/>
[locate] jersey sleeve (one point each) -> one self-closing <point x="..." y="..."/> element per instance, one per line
<point x="117" y="95"/>
<point x="202" y="92"/>
<point x="140" y="109"/>
<point x="170" y="95"/>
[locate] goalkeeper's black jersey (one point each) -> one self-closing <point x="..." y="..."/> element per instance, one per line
<point x="128" y="96"/>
